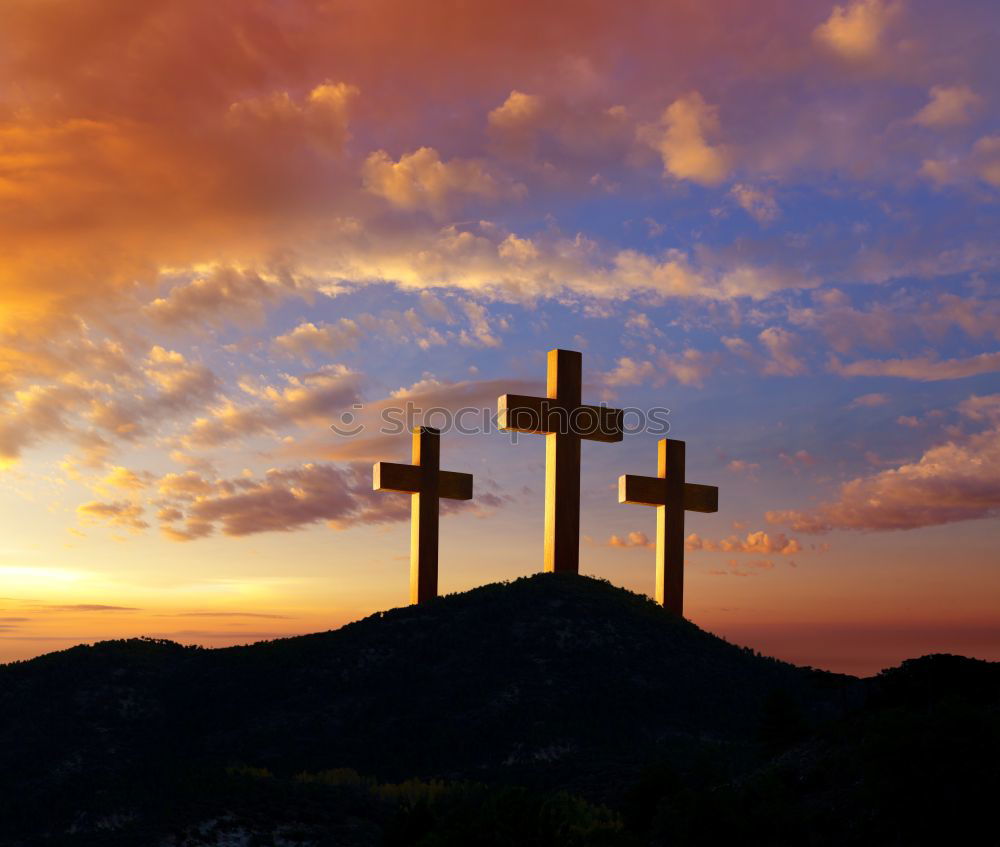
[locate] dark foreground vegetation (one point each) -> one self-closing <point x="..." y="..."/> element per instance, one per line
<point x="549" y="711"/>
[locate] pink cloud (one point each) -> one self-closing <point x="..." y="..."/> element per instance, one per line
<point x="754" y="542"/>
<point x="948" y="106"/>
<point x="923" y="368"/>
<point x="632" y="539"/>
<point x="801" y="458"/>
<point x="955" y="481"/>
<point x="868" y="401"/>
<point x="783" y="349"/>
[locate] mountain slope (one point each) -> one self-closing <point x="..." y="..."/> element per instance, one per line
<point x="549" y="682"/>
<point x="536" y="672"/>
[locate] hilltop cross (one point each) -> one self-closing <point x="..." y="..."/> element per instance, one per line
<point x="427" y="483"/>
<point x="671" y="495"/>
<point x="563" y="420"/>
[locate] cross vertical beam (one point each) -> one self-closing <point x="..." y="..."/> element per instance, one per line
<point x="564" y="421"/>
<point x="426" y="454"/>
<point x="670" y="527"/>
<point x="672" y="496"/>
<point x="564" y="378"/>
<point x="427" y="484"/>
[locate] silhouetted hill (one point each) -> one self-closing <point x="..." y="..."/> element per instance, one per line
<point x="551" y="710"/>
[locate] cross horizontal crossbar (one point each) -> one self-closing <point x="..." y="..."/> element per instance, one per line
<point x="390" y="476"/>
<point x="653" y="491"/>
<point x="546" y="415"/>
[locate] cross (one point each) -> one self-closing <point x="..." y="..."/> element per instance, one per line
<point x="563" y="420"/>
<point x="427" y="483"/>
<point x="672" y="496"/>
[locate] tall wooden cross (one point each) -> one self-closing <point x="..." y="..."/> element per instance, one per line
<point x="563" y="420"/>
<point x="426" y="483"/>
<point x="671" y="495"/>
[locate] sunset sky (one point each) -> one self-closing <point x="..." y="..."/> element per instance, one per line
<point x="224" y="224"/>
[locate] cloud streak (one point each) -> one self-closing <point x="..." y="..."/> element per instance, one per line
<point x="921" y="368"/>
<point x="290" y="499"/>
<point x="955" y="481"/>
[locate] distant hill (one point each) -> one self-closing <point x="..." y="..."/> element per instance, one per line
<point x="571" y="710"/>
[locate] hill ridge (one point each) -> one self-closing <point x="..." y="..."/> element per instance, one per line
<point x="549" y="682"/>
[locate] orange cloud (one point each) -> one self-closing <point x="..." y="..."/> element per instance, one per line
<point x="322" y="116"/>
<point x="420" y="180"/>
<point x="681" y="139"/>
<point x="126" y="479"/>
<point x="754" y="542"/>
<point x="97" y="393"/>
<point x="517" y="112"/>
<point x="633" y="539"/>
<point x="34" y="414"/>
<point x="855" y="31"/>
<point x="118" y="513"/>
<point x="254" y="154"/>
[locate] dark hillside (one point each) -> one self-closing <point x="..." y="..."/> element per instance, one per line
<point x="543" y="685"/>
